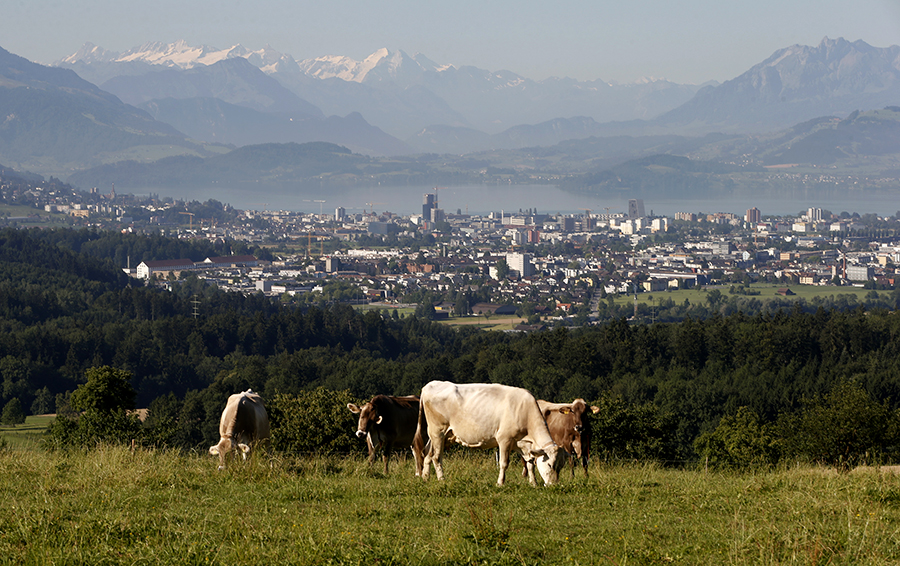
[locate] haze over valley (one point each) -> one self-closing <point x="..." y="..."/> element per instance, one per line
<point x="176" y="118"/>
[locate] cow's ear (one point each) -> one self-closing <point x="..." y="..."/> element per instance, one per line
<point x="537" y="452"/>
<point x="594" y="409"/>
<point x="353" y="408"/>
<point x="565" y="410"/>
<point x="379" y="419"/>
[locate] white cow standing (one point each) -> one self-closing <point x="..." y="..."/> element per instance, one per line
<point x="485" y="415"/>
<point x="244" y="423"/>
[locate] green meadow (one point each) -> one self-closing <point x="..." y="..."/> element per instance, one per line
<point x="112" y="505"/>
<point x="766" y="292"/>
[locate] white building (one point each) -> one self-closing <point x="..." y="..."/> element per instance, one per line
<point x="520" y="263"/>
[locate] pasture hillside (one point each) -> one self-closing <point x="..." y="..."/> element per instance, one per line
<point x="112" y="506"/>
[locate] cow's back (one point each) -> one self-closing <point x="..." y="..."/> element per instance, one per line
<point x="400" y="416"/>
<point x="475" y="412"/>
<point x="243" y="422"/>
<point x="244" y="415"/>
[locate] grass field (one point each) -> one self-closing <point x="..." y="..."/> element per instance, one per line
<point x="112" y="506"/>
<point x="766" y="292"/>
<point x="27" y="435"/>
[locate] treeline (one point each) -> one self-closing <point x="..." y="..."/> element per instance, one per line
<point x="63" y="312"/>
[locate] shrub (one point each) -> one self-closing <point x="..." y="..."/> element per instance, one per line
<point x="104" y="401"/>
<point x="314" y="421"/>
<point x="107" y="389"/>
<point x="843" y="429"/>
<point x="12" y="412"/>
<point x="741" y="440"/>
<point x="625" y="431"/>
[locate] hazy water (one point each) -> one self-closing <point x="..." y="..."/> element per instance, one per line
<point x="482" y="199"/>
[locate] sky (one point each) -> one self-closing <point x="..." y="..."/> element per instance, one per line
<point x="692" y="41"/>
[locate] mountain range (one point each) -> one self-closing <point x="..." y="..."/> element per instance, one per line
<point x="163" y="100"/>
<point x="396" y="92"/>
<point x="441" y="108"/>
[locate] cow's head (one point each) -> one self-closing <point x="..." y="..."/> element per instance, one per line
<point x="368" y="416"/>
<point x="221" y="450"/>
<point x="579" y="411"/>
<point x="549" y="461"/>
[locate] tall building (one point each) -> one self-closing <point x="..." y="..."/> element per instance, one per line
<point x="427" y="205"/>
<point x="520" y="263"/>
<point x="753" y="216"/>
<point x="814" y="214"/>
<point x="339" y="213"/>
<point x="636" y="208"/>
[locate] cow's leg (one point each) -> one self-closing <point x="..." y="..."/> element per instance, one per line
<point x="528" y="469"/>
<point x="373" y="449"/>
<point x="388" y="447"/>
<point x="434" y="454"/>
<point x="418" y="453"/>
<point x="576" y="455"/>
<point x="503" y="448"/>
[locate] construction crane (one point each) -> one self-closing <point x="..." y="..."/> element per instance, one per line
<point x="321" y="202"/>
<point x="372" y="204"/>
<point x="191" y="214"/>
<point x="436" y="189"/>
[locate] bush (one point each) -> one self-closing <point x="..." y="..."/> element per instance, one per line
<point x="314" y="421"/>
<point x="12" y="412"/>
<point x="621" y="431"/>
<point x="95" y="427"/>
<point x="107" y="389"/>
<point x="740" y="441"/>
<point x="843" y="429"/>
<point x="104" y="402"/>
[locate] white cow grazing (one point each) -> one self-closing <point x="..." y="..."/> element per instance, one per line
<point x="244" y="422"/>
<point x="484" y="415"/>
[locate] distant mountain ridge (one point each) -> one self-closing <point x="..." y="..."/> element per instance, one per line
<point x="403" y="94"/>
<point x="56" y="122"/>
<point x="796" y="84"/>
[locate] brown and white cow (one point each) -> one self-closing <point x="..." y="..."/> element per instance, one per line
<point x="244" y="423"/>
<point x="484" y="415"/>
<point x="387" y="421"/>
<point x="570" y="429"/>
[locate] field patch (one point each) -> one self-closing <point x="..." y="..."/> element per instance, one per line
<point x="111" y="505"/>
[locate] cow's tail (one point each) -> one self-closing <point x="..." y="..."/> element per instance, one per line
<point x="421" y="445"/>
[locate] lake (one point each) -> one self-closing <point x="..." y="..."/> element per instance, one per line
<point x="549" y="199"/>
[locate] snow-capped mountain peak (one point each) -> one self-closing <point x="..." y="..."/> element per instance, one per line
<point x="178" y="54"/>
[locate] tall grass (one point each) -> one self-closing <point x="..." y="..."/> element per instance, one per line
<point x="112" y="506"/>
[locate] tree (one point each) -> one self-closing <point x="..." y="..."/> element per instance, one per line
<point x="12" y="413"/>
<point x="104" y="401"/>
<point x="43" y="402"/>
<point x="107" y="389"/>
<point x="502" y="268"/>
<point x="740" y="440"/>
<point x="313" y="421"/>
<point x="843" y="428"/>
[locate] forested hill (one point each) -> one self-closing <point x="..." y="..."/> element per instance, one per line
<point x="62" y="312"/>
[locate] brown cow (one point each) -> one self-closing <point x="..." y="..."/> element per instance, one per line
<point x="244" y="422"/>
<point x="385" y="421"/>
<point x="570" y="428"/>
